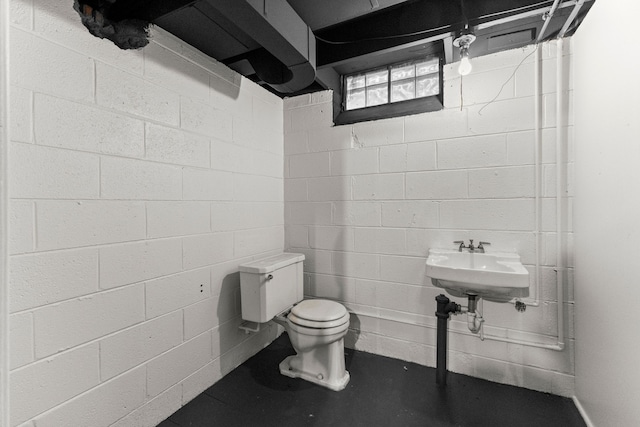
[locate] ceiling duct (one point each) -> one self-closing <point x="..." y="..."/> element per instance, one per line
<point x="263" y="39"/>
<point x="299" y="46"/>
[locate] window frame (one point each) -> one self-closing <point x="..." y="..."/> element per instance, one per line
<point x="391" y="109"/>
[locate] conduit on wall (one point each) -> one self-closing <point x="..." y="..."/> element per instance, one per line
<point x="559" y="268"/>
<point x="537" y="84"/>
<point x="4" y="211"/>
<point x="559" y="192"/>
<point x="538" y="172"/>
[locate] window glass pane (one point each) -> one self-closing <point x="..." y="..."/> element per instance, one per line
<point x="427" y="67"/>
<point x="403" y="72"/>
<point x="377" y="95"/>
<point x="402" y="91"/>
<point x="354" y="82"/>
<point x="427" y="86"/>
<point x="356" y="99"/>
<point x="377" y="77"/>
<point x="392" y="84"/>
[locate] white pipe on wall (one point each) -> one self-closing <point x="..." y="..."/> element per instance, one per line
<point x="399" y="319"/>
<point x="571" y="18"/>
<point x="4" y="213"/>
<point x="560" y="345"/>
<point x="547" y="19"/>
<point x="537" y="167"/>
<point x="559" y="191"/>
<point x="559" y="169"/>
<point x="555" y="347"/>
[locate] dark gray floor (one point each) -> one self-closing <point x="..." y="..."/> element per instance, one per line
<point x="382" y="392"/>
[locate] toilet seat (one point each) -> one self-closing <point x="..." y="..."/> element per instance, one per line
<point x="319" y="314"/>
<point x="317" y="332"/>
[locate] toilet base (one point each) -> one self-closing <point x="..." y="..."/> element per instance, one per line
<point x="335" y="384"/>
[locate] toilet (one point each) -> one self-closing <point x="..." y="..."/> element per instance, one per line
<point x="272" y="289"/>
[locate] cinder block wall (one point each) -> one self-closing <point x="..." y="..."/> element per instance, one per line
<point x="139" y="181"/>
<point x="365" y="202"/>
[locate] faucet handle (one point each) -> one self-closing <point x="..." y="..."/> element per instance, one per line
<point x="461" y="243"/>
<point x="481" y="244"/>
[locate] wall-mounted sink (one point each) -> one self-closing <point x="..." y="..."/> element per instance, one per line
<point x="486" y="274"/>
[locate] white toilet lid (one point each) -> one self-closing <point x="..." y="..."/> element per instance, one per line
<point x="319" y="313"/>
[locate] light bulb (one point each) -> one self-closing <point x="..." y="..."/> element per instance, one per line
<point x="465" y="66"/>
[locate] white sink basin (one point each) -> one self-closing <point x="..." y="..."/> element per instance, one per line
<point x="485" y="274"/>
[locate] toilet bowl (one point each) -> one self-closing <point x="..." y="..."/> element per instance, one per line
<point x="317" y="329"/>
<point x="272" y="289"/>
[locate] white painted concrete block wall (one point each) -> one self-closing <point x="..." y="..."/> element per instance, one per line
<point x="365" y="202"/>
<point x="139" y="181"/>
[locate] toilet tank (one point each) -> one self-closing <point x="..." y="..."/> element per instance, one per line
<point x="271" y="285"/>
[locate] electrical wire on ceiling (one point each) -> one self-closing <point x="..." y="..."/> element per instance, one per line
<point x="395" y="36"/>
<point x="547" y="17"/>
<point x="422" y="32"/>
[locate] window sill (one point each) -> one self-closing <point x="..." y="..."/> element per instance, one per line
<point x="405" y="108"/>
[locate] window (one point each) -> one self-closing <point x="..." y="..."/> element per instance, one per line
<point x="394" y="90"/>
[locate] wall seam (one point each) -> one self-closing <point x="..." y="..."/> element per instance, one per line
<point x="4" y="212"/>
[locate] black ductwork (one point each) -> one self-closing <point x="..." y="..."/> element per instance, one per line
<point x="263" y="64"/>
<point x="264" y="40"/>
<point x="268" y="68"/>
<point x="273" y="42"/>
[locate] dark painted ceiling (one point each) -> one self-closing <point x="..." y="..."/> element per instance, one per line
<point x="299" y="46"/>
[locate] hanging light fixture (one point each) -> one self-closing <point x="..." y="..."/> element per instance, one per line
<point x="463" y="41"/>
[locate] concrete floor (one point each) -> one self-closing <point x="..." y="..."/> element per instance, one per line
<point x="382" y="392"/>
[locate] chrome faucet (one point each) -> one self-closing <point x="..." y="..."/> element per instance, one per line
<point x="471" y="247"/>
<point x="479" y="248"/>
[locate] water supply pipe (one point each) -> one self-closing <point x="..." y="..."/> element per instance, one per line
<point x="547" y="18"/>
<point x="537" y="84"/>
<point x="560" y="344"/>
<point x="559" y="191"/>
<point x="444" y="308"/>
<point x="571" y="18"/>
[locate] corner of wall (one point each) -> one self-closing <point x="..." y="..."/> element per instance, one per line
<point x="4" y="213"/>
